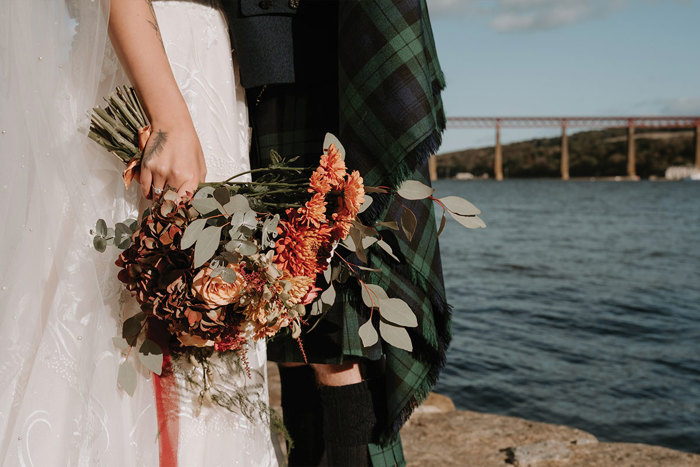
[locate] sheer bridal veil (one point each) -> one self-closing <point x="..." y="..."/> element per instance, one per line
<point x="59" y="299"/>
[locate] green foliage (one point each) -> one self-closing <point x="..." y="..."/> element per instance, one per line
<point x="115" y="126"/>
<point x="413" y="189"/>
<point x="206" y="245"/>
<point x="151" y="356"/>
<point x="126" y="378"/>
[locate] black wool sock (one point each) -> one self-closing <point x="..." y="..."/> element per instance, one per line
<point x="303" y="415"/>
<point x="348" y="424"/>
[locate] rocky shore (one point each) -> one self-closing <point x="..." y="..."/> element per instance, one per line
<point x="439" y="435"/>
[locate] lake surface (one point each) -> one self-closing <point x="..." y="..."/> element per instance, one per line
<point x="579" y="305"/>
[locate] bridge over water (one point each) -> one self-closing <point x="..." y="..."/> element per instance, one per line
<point x="629" y="122"/>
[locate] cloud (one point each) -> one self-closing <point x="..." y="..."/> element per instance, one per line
<point x="682" y="106"/>
<point x="450" y="7"/>
<point x="528" y="15"/>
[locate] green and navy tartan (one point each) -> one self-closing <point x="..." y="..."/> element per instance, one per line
<point x="382" y="98"/>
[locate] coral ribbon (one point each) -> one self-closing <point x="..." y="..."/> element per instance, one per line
<point x="133" y="167"/>
<point x="167" y="400"/>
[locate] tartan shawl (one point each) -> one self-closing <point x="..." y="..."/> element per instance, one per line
<point x="391" y="119"/>
<point x="383" y="101"/>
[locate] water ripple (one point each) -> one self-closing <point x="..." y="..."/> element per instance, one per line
<point x="579" y="305"/>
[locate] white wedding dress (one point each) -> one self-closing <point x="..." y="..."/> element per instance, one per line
<point x="60" y="302"/>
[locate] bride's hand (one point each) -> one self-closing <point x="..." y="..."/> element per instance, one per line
<point x="172" y="157"/>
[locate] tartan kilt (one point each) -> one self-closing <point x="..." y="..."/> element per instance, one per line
<point x="344" y="98"/>
<point x="417" y="278"/>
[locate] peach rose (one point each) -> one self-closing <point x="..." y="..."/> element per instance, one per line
<point x="215" y="291"/>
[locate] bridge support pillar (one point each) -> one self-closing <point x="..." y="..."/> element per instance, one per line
<point x="498" y="156"/>
<point x="631" y="154"/>
<point x="697" y="145"/>
<point x="564" y="153"/>
<point x="432" y="167"/>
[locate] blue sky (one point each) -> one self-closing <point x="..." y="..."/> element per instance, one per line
<point x="565" y="57"/>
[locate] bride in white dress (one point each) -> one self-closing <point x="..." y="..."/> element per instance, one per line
<point x="60" y="303"/>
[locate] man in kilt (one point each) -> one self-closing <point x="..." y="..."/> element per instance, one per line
<point x="366" y="71"/>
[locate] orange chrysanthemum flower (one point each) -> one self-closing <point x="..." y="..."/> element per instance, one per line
<point x="348" y="205"/>
<point x="341" y="229"/>
<point x="319" y="183"/>
<point x="334" y="167"/>
<point x="299" y="248"/>
<point x="300" y="287"/>
<point x="314" y="211"/>
<point x="353" y="194"/>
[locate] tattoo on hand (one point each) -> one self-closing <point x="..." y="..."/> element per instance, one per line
<point x="159" y="140"/>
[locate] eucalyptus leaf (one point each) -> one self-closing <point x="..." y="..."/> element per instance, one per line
<point x="132" y="224"/>
<point x="369" y="241"/>
<point x="328" y="295"/>
<point x="122" y="235"/>
<point x="368" y="334"/>
<point x="120" y="343"/>
<point x="396" y="336"/>
<point x="236" y="223"/>
<point x="206" y="246"/>
<point x="393" y="225"/>
<point x="238" y="203"/>
<point x="376" y="292"/>
<point x="244" y="247"/>
<point x="443" y="222"/>
<point x="132" y="327"/>
<point x="110" y="233"/>
<point x="99" y="243"/>
<point x="250" y="219"/>
<point x="398" y="312"/>
<point x="317" y="308"/>
<point x="366" y="204"/>
<point x="228" y="275"/>
<point x="204" y="192"/>
<point x="247" y="248"/>
<point x="101" y="227"/>
<point x="356" y="236"/>
<point x="109" y="240"/>
<point x="470" y="222"/>
<point x="413" y="189"/>
<point x="328" y="274"/>
<point x="332" y="139"/>
<point x="151" y="356"/>
<point x="375" y="189"/>
<point x="387" y="248"/>
<point x="126" y="378"/>
<point x="192" y="232"/>
<point x="348" y="243"/>
<point x="206" y="205"/>
<point x="124" y="244"/>
<point x="222" y="195"/>
<point x="460" y="206"/>
<point x="408" y="223"/>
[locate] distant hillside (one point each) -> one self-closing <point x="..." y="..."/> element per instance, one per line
<point x="592" y="154"/>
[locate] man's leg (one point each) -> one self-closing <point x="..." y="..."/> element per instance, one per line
<point x="327" y="407"/>
<point x="349" y="417"/>
<point x="302" y="413"/>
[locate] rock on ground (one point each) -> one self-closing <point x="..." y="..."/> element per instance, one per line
<point x="439" y="435"/>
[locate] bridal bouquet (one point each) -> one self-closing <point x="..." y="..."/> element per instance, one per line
<point x="239" y="261"/>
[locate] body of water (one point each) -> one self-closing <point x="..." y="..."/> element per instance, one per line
<point x="579" y="305"/>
